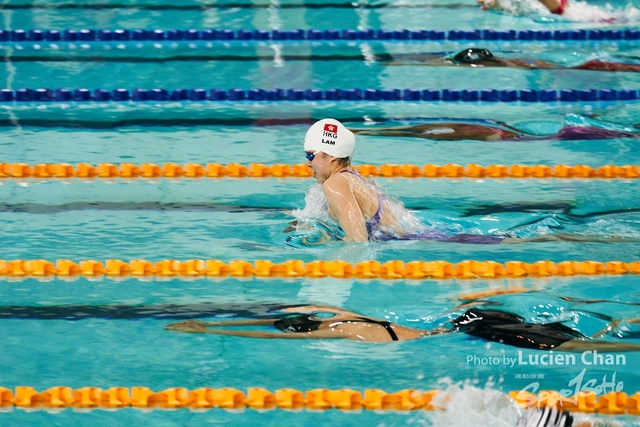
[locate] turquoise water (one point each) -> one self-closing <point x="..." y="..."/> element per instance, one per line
<point x="444" y="15"/>
<point x="113" y="344"/>
<point x="104" y="352"/>
<point x="270" y="74"/>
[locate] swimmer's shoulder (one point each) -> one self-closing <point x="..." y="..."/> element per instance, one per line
<point x="340" y="179"/>
<point x="337" y="183"/>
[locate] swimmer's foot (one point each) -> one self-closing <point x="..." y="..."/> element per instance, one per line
<point x="566" y="237"/>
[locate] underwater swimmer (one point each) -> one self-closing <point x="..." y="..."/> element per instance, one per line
<point x="479" y="57"/>
<point x="362" y="210"/>
<point x="491" y="131"/>
<point x="484" y="58"/>
<point x="317" y="322"/>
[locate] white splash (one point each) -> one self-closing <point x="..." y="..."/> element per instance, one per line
<point x="576" y="11"/>
<point x="315" y="206"/>
<point x="520" y="7"/>
<point x="583" y="12"/>
<point x="405" y="221"/>
<point x="467" y="405"/>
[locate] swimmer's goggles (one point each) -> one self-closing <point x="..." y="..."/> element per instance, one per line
<point x="311" y="156"/>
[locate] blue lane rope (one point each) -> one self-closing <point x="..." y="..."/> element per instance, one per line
<point x="447" y="95"/>
<point x="89" y="35"/>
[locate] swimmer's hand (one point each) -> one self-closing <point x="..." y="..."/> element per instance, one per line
<point x="187" y="326"/>
<point x="292" y="227"/>
<point x="295" y="226"/>
<point x="488" y="4"/>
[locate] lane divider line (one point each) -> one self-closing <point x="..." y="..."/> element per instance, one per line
<point x="226" y="35"/>
<point x="395" y="269"/>
<point x="26" y="397"/>
<point x="348" y="95"/>
<point x="258" y="170"/>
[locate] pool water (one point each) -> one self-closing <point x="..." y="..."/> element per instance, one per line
<point x="105" y="333"/>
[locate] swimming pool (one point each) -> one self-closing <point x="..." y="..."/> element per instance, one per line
<point x="105" y="331"/>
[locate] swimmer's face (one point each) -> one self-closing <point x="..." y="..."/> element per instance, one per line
<point x="320" y="165"/>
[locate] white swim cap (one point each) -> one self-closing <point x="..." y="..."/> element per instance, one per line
<point x="331" y="137"/>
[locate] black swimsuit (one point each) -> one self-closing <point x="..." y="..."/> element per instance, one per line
<point x="510" y="329"/>
<point x="303" y="323"/>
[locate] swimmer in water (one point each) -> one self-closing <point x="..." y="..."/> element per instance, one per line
<point x="578" y="11"/>
<point x="318" y="322"/>
<point x="357" y="206"/>
<point x="362" y="210"/>
<point x="557" y="7"/>
<point x="479" y="57"/>
<point x="491" y="131"/>
<point x="365" y="213"/>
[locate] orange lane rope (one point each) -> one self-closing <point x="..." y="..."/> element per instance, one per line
<point x="395" y="269"/>
<point x="290" y="399"/>
<point x="257" y="170"/>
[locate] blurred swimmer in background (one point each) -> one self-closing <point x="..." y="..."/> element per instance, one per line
<point x="479" y="57"/>
<point x="576" y="128"/>
<point x="557" y="7"/>
<point x="575" y="11"/>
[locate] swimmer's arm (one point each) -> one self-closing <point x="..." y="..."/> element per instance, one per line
<point x="409" y="133"/>
<point x="269" y="335"/>
<point x="404" y="130"/>
<point x="315" y="308"/>
<point x="551" y="4"/>
<point x="292" y="227"/>
<point x="613" y="325"/>
<point x="197" y="324"/>
<point x="493" y="4"/>
<point x="345" y="206"/>
<point x="383" y="129"/>
<point x="488" y="4"/>
<point x="437" y="331"/>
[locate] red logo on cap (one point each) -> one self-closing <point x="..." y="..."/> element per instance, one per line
<point x="331" y="128"/>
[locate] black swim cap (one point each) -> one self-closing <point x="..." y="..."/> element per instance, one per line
<point x="473" y="55"/>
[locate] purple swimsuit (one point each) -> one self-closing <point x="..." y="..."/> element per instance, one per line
<point x="377" y="235"/>
<point x="572" y="133"/>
